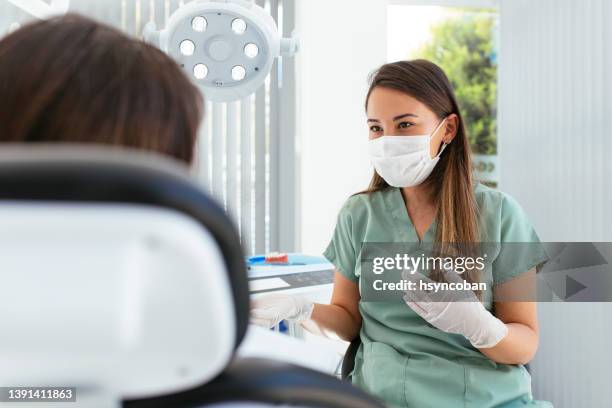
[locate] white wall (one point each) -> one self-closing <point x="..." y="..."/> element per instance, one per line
<point x="555" y="154"/>
<point x="555" y="84"/>
<point x="342" y="41"/>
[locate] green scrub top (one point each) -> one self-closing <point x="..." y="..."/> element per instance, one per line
<point x="403" y="359"/>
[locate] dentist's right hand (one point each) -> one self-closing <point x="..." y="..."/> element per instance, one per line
<point x="268" y="311"/>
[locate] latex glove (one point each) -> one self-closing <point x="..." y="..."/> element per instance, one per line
<point x="458" y="312"/>
<point x="268" y="311"/>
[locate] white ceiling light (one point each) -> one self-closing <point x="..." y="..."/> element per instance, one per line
<point x="251" y="50"/>
<point x="187" y="47"/>
<point x="199" y="24"/>
<point x="200" y="71"/>
<point x="227" y="47"/>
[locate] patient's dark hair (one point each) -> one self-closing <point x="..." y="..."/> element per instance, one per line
<point x="73" y="80"/>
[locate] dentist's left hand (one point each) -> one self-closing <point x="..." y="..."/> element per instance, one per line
<point x="459" y="312"/>
<point x="268" y="311"/>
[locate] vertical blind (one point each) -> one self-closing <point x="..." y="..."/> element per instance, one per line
<point x="554" y="147"/>
<point x="246" y="149"/>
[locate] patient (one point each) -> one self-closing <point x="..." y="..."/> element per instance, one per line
<point x="73" y="80"/>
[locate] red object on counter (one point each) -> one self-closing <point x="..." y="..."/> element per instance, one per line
<point x="276" y="257"/>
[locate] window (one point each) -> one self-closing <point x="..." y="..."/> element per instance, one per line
<point x="463" y="42"/>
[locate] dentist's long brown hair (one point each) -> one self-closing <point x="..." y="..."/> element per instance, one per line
<point x="450" y="184"/>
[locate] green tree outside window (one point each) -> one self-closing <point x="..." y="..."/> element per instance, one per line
<point x="464" y="48"/>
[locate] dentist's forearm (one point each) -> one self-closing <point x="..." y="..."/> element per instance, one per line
<point x="328" y="320"/>
<point x="518" y="347"/>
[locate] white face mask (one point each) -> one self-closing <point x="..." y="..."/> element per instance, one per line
<point x="404" y="161"/>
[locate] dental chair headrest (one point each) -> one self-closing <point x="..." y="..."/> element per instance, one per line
<point x="117" y="269"/>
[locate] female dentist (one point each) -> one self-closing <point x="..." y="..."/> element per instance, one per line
<point x="418" y="353"/>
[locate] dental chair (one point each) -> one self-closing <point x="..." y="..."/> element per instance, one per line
<point x="348" y="362"/>
<point x="123" y="279"/>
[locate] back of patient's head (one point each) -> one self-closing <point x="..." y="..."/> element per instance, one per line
<point x="73" y="80"/>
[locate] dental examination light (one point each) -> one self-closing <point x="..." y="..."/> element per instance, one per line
<point x="227" y="47"/>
